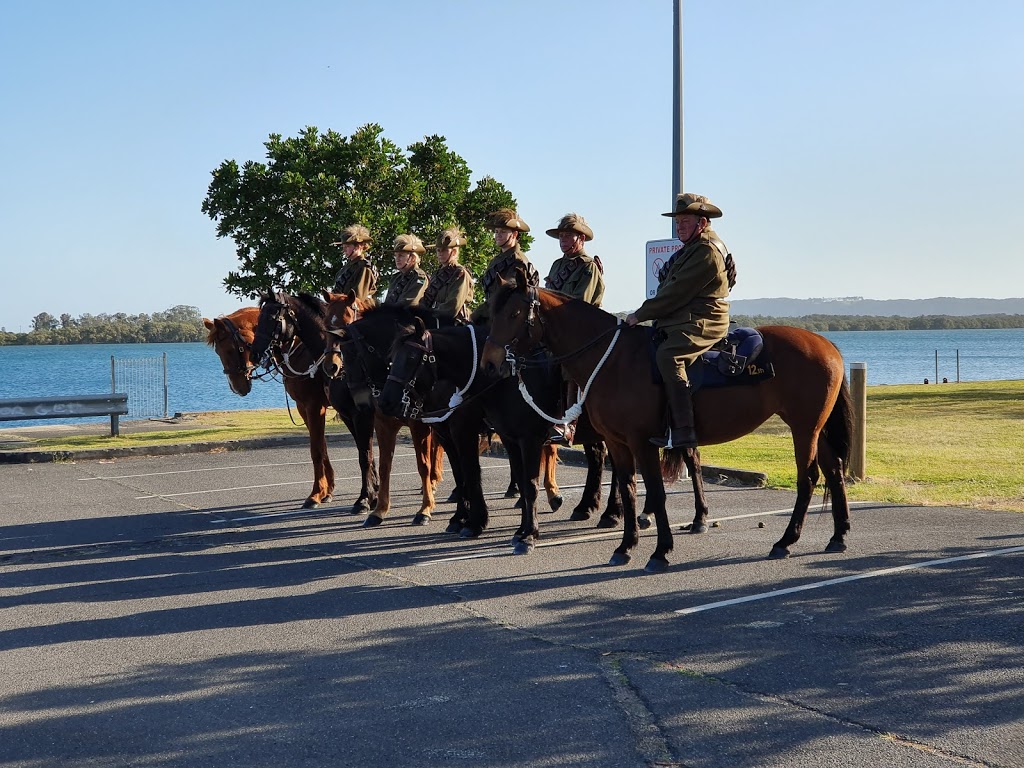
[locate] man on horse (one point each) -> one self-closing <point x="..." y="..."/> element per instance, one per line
<point x="507" y="228"/>
<point x="451" y="286"/>
<point x="358" y="276"/>
<point x="408" y="282"/>
<point x="690" y="309"/>
<point x="578" y="275"/>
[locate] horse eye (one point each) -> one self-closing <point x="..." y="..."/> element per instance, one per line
<point x="517" y="313"/>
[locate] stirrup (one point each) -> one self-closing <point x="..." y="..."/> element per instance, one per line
<point x="676" y="438"/>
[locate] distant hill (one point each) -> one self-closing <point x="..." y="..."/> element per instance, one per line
<point x="855" y="305"/>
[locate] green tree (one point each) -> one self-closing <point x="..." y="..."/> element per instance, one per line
<point x="283" y="214"/>
<point x="44" y="321"/>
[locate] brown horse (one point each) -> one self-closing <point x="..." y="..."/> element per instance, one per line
<point x="340" y="310"/>
<point x="809" y="392"/>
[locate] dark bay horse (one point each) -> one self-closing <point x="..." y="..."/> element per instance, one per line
<point x="286" y="333"/>
<point x="427" y="366"/>
<point x="339" y="311"/>
<point x="809" y="393"/>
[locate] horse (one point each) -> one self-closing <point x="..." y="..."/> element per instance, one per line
<point x="367" y="368"/>
<point x="285" y="334"/>
<point x="809" y="393"/>
<point x="426" y="367"/>
<point x="231" y="337"/>
<point x="339" y="311"/>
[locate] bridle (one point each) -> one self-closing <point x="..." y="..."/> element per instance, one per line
<point x="285" y="331"/>
<point x="422" y="355"/>
<point x="357" y="375"/>
<point x="241" y="346"/>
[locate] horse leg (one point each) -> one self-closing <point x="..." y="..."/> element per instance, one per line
<point x="612" y="515"/>
<point x="835" y="482"/>
<point x="323" y="472"/>
<point x="549" y="463"/>
<point x="471" y="515"/>
<point x="436" y="459"/>
<point x="423" y="444"/>
<point x="806" y="479"/>
<point x="626" y="477"/>
<point x="360" y="424"/>
<point x="649" y="463"/>
<point x="700" y="502"/>
<point x="590" y="500"/>
<point x="387" y="434"/>
<point x="528" y="533"/>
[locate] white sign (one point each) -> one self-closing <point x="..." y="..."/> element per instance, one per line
<point x="658" y="252"/>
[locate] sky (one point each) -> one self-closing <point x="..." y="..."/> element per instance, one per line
<point x="866" y="149"/>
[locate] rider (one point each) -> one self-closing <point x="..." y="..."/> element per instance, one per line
<point x="578" y="275"/>
<point x="507" y="228"/>
<point x="358" y="276"/>
<point x="408" y="282"/>
<point x="690" y="309"/>
<point x="451" y="286"/>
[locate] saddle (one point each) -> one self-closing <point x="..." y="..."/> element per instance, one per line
<point x="736" y="360"/>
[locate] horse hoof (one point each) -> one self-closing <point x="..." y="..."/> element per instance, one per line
<point x="608" y="522"/>
<point x="372" y="521"/>
<point x="519" y="504"/>
<point x="361" y="507"/>
<point x="644" y="522"/>
<point x="778" y="553"/>
<point x="697" y="528"/>
<point x="656" y="565"/>
<point x="511" y="491"/>
<point x="310" y="504"/>
<point x="453" y="527"/>
<point x="468" y="533"/>
<point x="453" y="497"/>
<point x="619" y="558"/>
<point x="555" y="502"/>
<point x="421" y="519"/>
<point x="836" y="546"/>
<point x="580" y="514"/>
<point x="523" y="546"/>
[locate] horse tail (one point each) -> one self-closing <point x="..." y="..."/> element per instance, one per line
<point x="838" y="430"/>
<point x="672" y="463"/>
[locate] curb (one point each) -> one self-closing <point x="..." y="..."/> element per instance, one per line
<point x="570" y="456"/>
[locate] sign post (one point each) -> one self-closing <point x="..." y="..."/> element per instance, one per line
<point x="658" y="252"/>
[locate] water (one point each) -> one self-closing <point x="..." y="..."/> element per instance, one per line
<point x="197" y="383"/>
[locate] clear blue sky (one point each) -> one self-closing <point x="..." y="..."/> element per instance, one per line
<point x="858" y="149"/>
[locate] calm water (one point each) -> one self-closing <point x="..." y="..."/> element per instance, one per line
<point x="196" y="383"/>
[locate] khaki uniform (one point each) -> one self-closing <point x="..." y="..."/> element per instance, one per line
<point x="690" y="306"/>
<point x="449" y="292"/>
<point x="406" y="288"/>
<point x="577" y="276"/>
<point x="358" y="277"/>
<point x="503" y="265"/>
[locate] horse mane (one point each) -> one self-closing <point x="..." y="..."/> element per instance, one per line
<point x="236" y="318"/>
<point x="407" y="315"/>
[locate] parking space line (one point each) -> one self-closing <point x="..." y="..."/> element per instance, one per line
<point x="844" y="579"/>
<point x="222" y="469"/>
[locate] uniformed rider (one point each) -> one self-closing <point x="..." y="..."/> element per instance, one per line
<point x="358" y="276"/>
<point x="507" y="228"/>
<point x="451" y="286"/>
<point x="408" y="281"/>
<point x="690" y="308"/>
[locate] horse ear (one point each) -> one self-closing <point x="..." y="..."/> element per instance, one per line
<point x="328" y="296"/>
<point x="208" y="323"/>
<point x="348" y="299"/>
<point x="420" y="326"/>
<point x="522" y="283"/>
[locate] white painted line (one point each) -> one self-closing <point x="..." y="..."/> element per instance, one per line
<point x="222" y="469"/>
<point x="844" y="579"/>
<point x="247" y="487"/>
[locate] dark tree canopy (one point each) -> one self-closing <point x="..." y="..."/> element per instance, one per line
<point x="284" y="213"/>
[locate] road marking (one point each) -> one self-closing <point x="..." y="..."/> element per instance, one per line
<point x="221" y="469"/>
<point x="844" y="579"/>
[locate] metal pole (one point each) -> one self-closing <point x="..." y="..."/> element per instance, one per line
<point x="677" y="105"/>
<point x="958" y="366"/>
<point x="936" y="366"/>
<point x="858" y="440"/>
<point x="113" y="383"/>
<point x="165" y="385"/>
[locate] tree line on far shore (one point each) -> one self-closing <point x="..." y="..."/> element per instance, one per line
<point x="184" y="323"/>
<point x="180" y="323"/>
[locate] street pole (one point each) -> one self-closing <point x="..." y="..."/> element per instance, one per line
<point x="677" y="106"/>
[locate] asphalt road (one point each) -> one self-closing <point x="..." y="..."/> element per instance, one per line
<point x="182" y="611"/>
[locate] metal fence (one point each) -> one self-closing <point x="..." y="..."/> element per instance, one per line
<point x="145" y="381"/>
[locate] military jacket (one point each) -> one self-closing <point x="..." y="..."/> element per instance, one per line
<point x="503" y="266"/>
<point x="578" y="276"/>
<point x="358" y="276"/>
<point x="406" y="288"/>
<point x="692" y="291"/>
<point x="449" y="291"/>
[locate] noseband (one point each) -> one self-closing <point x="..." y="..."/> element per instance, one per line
<point x="242" y="346"/>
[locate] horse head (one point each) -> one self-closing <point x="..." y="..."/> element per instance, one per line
<point x="276" y="327"/>
<point x="342" y="310"/>
<point x="231" y="337"/>
<point x="515" y="324"/>
<point x="407" y="383"/>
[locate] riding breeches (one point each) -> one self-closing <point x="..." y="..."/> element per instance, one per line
<point x="678" y="350"/>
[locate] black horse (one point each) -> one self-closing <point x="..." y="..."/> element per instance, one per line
<point x="289" y="334"/>
<point x="428" y="367"/>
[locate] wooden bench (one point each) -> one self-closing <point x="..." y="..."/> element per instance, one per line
<point x="68" y="407"/>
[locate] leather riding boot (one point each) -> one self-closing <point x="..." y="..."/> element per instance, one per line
<point x="681" y="433"/>
<point x="562" y="434"/>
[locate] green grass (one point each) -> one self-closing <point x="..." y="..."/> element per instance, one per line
<point x="953" y="444"/>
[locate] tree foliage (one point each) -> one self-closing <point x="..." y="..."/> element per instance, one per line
<point x="284" y="213"/>
<point x="180" y="323"/>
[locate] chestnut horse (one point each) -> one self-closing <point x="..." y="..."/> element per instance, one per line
<point x="372" y="362"/>
<point x="339" y="310"/>
<point x="809" y="392"/>
<point x="235" y="338"/>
